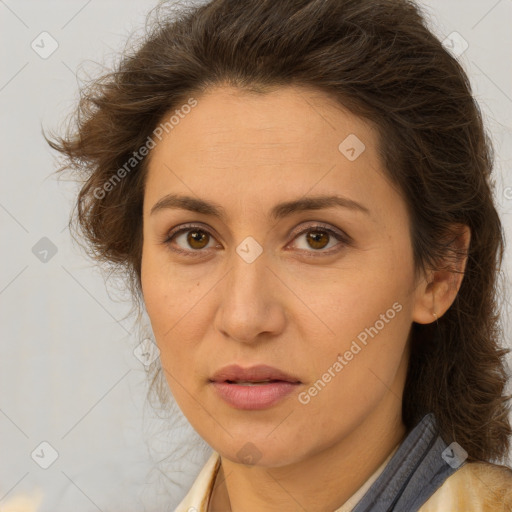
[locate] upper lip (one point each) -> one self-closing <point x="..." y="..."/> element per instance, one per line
<point x="252" y="374"/>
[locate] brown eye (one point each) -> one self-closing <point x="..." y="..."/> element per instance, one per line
<point x="317" y="239"/>
<point x="190" y="240"/>
<point x="197" y="239"/>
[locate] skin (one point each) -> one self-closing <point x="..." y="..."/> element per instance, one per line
<point x="295" y="307"/>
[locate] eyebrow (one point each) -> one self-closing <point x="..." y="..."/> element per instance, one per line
<point x="279" y="211"/>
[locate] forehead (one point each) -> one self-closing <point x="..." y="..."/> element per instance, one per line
<point x="290" y="119"/>
<point x="246" y="146"/>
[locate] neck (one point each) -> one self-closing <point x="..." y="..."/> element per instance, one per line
<point x="323" y="481"/>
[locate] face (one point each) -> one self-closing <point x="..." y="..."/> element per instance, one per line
<point x="323" y="293"/>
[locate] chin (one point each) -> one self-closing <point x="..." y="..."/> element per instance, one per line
<point x="254" y="451"/>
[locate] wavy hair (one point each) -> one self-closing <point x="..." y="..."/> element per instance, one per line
<point x="380" y="61"/>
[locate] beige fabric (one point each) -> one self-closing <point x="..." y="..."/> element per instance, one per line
<point x="475" y="487"/>
<point x="22" y="503"/>
<point x="197" y="498"/>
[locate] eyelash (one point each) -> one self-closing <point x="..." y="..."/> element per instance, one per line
<point x="343" y="238"/>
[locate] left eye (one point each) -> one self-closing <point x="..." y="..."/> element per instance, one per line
<point x="198" y="238"/>
<point x="318" y="238"/>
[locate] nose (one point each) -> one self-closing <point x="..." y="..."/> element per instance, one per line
<point x="251" y="304"/>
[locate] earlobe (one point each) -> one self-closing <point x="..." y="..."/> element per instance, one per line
<point x="435" y="297"/>
<point x="437" y="291"/>
<point x="426" y="308"/>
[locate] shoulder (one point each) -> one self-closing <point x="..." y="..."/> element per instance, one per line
<point x="474" y="487"/>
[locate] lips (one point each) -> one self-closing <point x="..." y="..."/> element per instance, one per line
<point x="255" y="388"/>
<point x="254" y="374"/>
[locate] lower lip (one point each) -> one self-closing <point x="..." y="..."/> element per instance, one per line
<point x="260" y="396"/>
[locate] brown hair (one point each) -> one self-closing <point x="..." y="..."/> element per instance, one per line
<point x="378" y="59"/>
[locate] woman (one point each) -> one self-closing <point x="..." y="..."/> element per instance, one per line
<point x="300" y="194"/>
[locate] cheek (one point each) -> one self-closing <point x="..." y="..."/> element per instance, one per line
<point x="351" y="298"/>
<point x="348" y="383"/>
<point x="166" y="312"/>
<point x="161" y="305"/>
<point x="174" y="307"/>
<point x="165" y="295"/>
<point x="368" y="313"/>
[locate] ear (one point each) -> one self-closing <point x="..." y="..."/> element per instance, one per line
<point x="437" y="290"/>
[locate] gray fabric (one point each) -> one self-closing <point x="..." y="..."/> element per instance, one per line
<point x="413" y="474"/>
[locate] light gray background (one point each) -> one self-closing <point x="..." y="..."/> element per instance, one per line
<point x="68" y="375"/>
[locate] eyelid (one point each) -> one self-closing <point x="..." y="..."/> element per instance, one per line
<point x="320" y="226"/>
<point x="186" y="227"/>
<point x="341" y="236"/>
<point x="183" y="228"/>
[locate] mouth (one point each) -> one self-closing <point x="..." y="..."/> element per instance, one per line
<point x="254" y="388"/>
<point x="254" y="374"/>
<point x="251" y="383"/>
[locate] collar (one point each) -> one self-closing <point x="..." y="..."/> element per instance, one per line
<point x="410" y="475"/>
<point x="416" y="470"/>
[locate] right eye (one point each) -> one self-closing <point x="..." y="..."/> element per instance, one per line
<point x="190" y="238"/>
